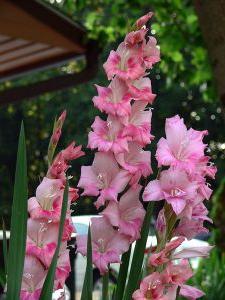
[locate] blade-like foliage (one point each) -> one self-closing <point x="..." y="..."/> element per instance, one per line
<point x="5" y="248"/>
<point x="88" y="279"/>
<point x="47" y="290"/>
<point x="138" y="256"/>
<point x="18" y="223"/>
<point x="122" y="277"/>
<point x="105" y="287"/>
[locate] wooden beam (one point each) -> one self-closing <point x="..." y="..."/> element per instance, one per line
<point x="33" y="21"/>
<point x="35" y="66"/>
<point x="54" y="84"/>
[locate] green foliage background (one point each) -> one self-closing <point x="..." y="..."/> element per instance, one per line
<point x="182" y="80"/>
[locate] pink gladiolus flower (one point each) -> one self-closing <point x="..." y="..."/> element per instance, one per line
<point x="127" y="214"/>
<point x="190" y="292"/>
<point x="190" y="228"/>
<point x="115" y="99"/>
<point x="125" y="62"/>
<point x="182" y="147"/>
<point x="141" y="89"/>
<point x="173" y="186"/>
<point x="162" y="257"/>
<point x="72" y="152"/>
<point x="193" y="252"/>
<point x="138" y="126"/>
<point x="42" y="240"/>
<point x="200" y="212"/>
<point x="48" y="191"/>
<point x="104" y="177"/>
<point x="206" y="168"/>
<point x="107" y="244"/>
<point x="60" y="163"/>
<point x="37" y="212"/>
<point x="151" y="287"/>
<point x="151" y="54"/>
<point x="33" y="278"/>
<point x="63" y="269"/>
<point x="58" y="168"/>
<point x="136" y="161"/>
<point x="106" y="136"/>
<point x="143" y="20"/>
<point x="177" y="274"/>
<point x="134" y="38"/>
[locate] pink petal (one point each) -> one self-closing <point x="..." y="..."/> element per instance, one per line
<point x="153" y="191"/>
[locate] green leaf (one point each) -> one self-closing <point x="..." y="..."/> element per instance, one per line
<point x="105" y="286"/>
<point x="88" y="279"/>
<point x="47" y="290"/>
<point x="5" y="248"/>
<point x="18" y="228"/>
<point x="138" y="256"/>
<point x="122" y="277"/>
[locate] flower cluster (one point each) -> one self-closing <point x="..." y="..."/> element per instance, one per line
<point x="114" y="177"/>
<point x="182" y="184"/>
<point x="43" y="225"/>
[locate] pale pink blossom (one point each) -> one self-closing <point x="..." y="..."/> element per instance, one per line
<point x="151" y="53"/>
<point x="42" y="239"/>
<point x="37" y="212"/>
<point x="58" y="168"/>
<point x="60" y="163"/>
<point x="151" y="287"/>
<point x="107" y="244"/>
<point x="196" y="210"/>
<point x="72" y="152"/>
<point x="162" y="257"/>
<point x="190" y="293"/>
<point x="107" y="136"/>
<point x="33" y="278"/>
<point x="127" y="214"/>
<point x="192" y="252"/>
<point x="136" y="161"/>
<point x="143" y="20"/>
<point x="115" y="99"/>
<point x="205" y="168"/>
<point x="138" y="125"/>
<point x="177" y="274"/>
<point x="182" y="148"/>
<point x="135" y="38"/>
<point x="48" y="191"/>
<point x="200" y="212"/>
<point x="173" y="186"/>
<point x="141" y="89"/>
<point x="125" y="62"/>
<point x="63" y="269"/>
<point x="104" y="178"/>
<point x="190" y="228"/>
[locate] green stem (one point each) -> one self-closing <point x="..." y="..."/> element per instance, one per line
<point x="138" y="256"/>
<point x="105" y="287"/>
<point x="121" y="281"/>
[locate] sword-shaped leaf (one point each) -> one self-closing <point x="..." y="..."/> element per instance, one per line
<point x="18" y="228"/>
